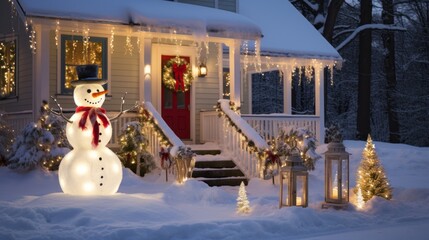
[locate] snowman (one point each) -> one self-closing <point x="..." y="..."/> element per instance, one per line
<point x="90" y="168"/>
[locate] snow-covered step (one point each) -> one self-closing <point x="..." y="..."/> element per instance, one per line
<point x="217" y="173"/>
<point x="227" y="181"/>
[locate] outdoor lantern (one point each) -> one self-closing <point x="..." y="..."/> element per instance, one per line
<point x="293" y="182"/>
<point x="202" y="70"/>
<point x="336" y="176"/>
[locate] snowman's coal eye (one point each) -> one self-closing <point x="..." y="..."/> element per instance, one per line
<point x="88" y="91"/>
<point x="98" y="90"/>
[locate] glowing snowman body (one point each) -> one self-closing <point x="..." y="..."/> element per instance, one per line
<point x="89" y="169"/>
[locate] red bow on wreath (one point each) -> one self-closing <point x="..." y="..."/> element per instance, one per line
<point x="178" y="71"/>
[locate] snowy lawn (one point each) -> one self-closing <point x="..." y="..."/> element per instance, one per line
<point x="32" y="206"/>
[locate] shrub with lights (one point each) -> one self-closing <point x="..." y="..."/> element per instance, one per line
<point x="371" y="178"/>
<point x="40" y="145"/>
<point x="6" y="140"/>
<point x="133" y="149"/>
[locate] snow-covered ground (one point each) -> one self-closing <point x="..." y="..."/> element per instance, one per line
<point x="32" y="206"/>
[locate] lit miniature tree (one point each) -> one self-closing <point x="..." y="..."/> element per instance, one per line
<point x="371" y="179"/>
<point x="133" y="153"/>
<point x="6" y="140"/>
<point x="242" y="201"/>
<point x="40" y="145"/>
<point x="56" y="126"/>
<point x="30" y="149"/>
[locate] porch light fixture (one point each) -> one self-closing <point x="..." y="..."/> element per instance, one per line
<point x="336" y="176"/>
<point x="293" y="182"/>
<point x="202" y="70"/>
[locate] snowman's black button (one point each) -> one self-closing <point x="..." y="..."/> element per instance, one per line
<point x="101" y="184"/>
<point x="100" y="158"/>
<point x="101" y="176"/>
<point x="100" y="134"/>
<point x="99" y="140"/>
<point x="102" y="168"/>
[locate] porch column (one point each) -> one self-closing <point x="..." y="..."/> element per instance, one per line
<point x="287" y="90"/>
<point x="145" y="69"/>
<point x="234" y="71"/>
<point x="40" y="69"/>
<point x="320" y="102"/>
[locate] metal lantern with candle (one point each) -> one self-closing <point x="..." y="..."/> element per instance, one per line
<point x="293" y="182"/>
<point x="336" y="176"/>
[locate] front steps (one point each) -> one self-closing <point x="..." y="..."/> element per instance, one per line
<point x="217" y="170"/>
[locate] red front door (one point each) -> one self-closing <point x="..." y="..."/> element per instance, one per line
<point x="176" y="106"/>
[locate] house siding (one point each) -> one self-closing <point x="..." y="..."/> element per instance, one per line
<point x="207" y="88"/>
<point x="14" y="27"/>
<point x="124" y="76"/>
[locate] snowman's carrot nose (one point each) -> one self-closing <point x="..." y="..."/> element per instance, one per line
<point x="97" y="94"/>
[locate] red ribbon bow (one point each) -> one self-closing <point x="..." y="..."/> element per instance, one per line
<point x="165" y="157"/>
<point x="273" y="158"/>
<point x="92" y="113"/>
<point x="178" y="71"/>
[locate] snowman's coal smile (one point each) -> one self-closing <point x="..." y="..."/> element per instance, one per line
<point x="94" y="103"/>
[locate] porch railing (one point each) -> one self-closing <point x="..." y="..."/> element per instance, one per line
<point x="18" y="120"/>
<point x="235" y="137"/>
<point x="155" y="143"/>
<point x="269" y="125"/>
<point x="119" y="125"/>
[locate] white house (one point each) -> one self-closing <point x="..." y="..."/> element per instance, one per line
<point x="136" y="43"/>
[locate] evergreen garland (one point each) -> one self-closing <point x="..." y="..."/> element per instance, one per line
<point x="371" y="179"/>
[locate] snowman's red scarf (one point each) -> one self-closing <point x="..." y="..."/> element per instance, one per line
<point x="92" y="113"/>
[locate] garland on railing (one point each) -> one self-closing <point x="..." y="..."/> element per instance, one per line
<point x="260" y="153"/>
<point x="271" y="159"/>
<point x="148" y="120"/>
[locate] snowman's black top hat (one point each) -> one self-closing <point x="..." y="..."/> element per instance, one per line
<point x="87" y="74"/>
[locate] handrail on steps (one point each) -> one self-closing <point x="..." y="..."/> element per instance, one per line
<point x="241" y="140"/>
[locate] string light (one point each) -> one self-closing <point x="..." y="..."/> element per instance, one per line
<point x="57" y="33"/>
<point x="129" y="46"/>
<point x="112" y="39"/>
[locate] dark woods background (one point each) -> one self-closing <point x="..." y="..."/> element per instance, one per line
<point x="383" y="85"/>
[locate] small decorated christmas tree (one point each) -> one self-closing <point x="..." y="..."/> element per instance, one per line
<point x="242" y="201"/>
<point x="30" y="149"/>
<point x="6" y="140"/>
<point x="133" y="153"/>
<point x="60" y="145"/>
<point x="371" y="179"/>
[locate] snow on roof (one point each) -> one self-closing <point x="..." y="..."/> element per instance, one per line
<point x="286" y="31"/>
<point x="153" y="15"/>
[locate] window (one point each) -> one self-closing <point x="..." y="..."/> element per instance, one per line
<point x="303" y="91"/>
<point x="267" y="92"/>
<point x="76" y="50"/>
<point x="7" y="68"/>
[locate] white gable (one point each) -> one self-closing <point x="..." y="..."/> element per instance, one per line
<point x="152" y="15"/>
<point x="286" y="32"/>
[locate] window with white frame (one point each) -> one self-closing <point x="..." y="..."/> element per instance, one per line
<point x="8" y="64"/>
<point x="78" y="50"/>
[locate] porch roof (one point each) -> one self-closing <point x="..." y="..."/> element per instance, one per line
<point x="149" y="15"/>
<point x="287" y="33"/>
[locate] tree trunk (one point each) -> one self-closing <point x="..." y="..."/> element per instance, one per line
<point x="364" y="76"/>
<point x="390" y="70"/>
<point x="330" y="19"/>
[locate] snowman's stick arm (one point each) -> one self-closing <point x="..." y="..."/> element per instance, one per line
<point x="61" y="114"/>
<point x="122" y="111"/>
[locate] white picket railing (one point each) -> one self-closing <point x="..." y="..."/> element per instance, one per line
<point x="18" y="120"/>
<point x="154" y="139"/>
<point x="118" y="125"/>
<point x="269" y="125"/>
<point x="210" y="127"/>
<point x="236" y="144"/>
